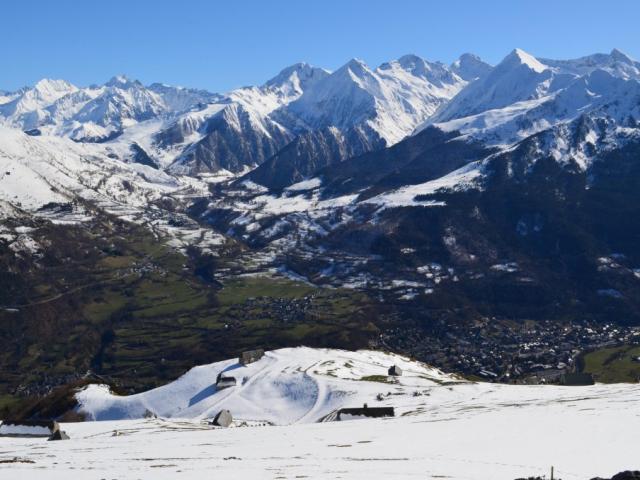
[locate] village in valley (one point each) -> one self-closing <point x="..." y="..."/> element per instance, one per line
<point x="498" y="351"/>
<point x="487" y="349"/>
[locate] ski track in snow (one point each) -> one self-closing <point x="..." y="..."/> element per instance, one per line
<point x="320" y="395"/>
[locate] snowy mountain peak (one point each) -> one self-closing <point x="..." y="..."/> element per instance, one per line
<point x="354" y="72"/>
<point x="518" y="77"/>
<point x="435" y="76"/>
<point x="616" y="63"/>
<point x="122" y="81"/>
<point x="357" y="67"/>
<point x="520" y="57"/>
<point x="414" y="63"/>
<point x="620" y="56"/>
<point x="470" y="67"/>
<point x="51" y="85"/>
<point x="434" y="72"/>
<point x="26" y="108"/>
<point x="340" y="99"/>
<point x="294" y="80"/>
<point x="303" y="72"/>
<point x="48" y="90"/>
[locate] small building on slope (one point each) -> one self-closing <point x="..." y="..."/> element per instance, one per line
<point x="32" y="428"/>
<point x="250" y="356"/>
<point x="224" y="382"/>
<point x="364" y="412"/>
<point x="223" y="419"/>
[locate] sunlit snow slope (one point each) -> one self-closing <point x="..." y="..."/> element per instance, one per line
<point x="444" y="427"/>
<point x="299" y="385"/>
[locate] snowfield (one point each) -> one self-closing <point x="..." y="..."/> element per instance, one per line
<point x="296" y="385"/>
<point x="464" y="178"/>
<point x="444" y="427"/>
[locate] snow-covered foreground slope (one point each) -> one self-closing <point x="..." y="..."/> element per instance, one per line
<point x="444" y="427"/>
<point x="299" y="385"/>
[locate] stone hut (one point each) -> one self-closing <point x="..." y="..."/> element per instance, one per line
<point x="223" y="419"/>
<point x="28" y="428"/>
<point x="250" y="356"/>
<point x="224" y="382"/>
<point x="59" y="435"/>
<point x="395" y="371"/>
<point x="365" y="411"/>
<point x="32" y="428"/>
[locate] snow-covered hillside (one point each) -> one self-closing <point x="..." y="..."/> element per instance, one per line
<point x="43" y="169"/>
<point x="443" y="428"/>
<point x="299" y="385"/>
<point x="36" y="172"/>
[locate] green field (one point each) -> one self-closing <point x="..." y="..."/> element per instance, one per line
<point x="614" y="365"/>
<point x="112" y="299"/>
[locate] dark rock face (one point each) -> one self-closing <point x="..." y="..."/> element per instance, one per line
<point x="310" y="152"/>
<point x="428" y="155"/>
<point x="626" y="475"/>
<point x="140" y="156"/>
<point x="232" y="142"/>
<point x="176" y="133"/>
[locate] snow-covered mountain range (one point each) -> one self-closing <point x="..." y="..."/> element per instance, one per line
<point x="312" y="154"/>
<point x="95" y="113"/>
<point x="306" y="118"/>
<point x="206" y="132"/>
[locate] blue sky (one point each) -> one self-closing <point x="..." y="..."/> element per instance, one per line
<point x="221" y="45"/>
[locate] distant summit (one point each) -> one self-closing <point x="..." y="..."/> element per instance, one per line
<point x="470" y="67"/>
